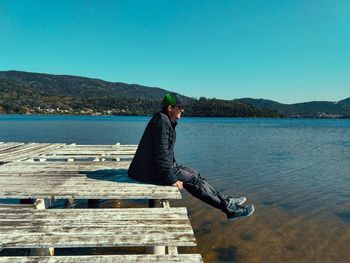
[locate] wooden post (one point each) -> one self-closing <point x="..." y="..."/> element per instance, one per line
<point x="42" y="204"/>
<point x="171" y="250"/>
<point x="71" y="201"/>
<point x="165" y="203"/>
<point x="156" y="250"/>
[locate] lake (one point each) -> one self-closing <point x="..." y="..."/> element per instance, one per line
<point x="295" y="171"/>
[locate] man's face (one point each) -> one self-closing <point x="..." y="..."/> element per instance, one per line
<point x="175" y="113"/>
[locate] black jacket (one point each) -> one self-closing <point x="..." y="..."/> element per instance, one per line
<point x="154" y="160"/>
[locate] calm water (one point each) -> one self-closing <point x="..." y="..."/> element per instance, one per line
<point x="296" y="172"/>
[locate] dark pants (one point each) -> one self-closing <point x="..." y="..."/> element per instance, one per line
<point x="200" y="188"/>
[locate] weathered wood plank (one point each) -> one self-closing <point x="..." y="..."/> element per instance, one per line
<point x="93" y="148"/>
<point x="80" y="156"/>
<point x="92" y="152"/>
<point x="32" y="153"/>
<point x="6" y="144"/>
<point x="93" y="231"/>
<point x="119" y="213"/>
<point x="78" y="186"/>
<point x="29" y="147"/>
<point x="9" y="145"/>
<point x="89" y="150"/>
<point x="71" y="224"/>
<point x="75" y="181"/>
<point x="12" y="148"/>
<point x="18" y="149"/>
<point x="125" y="195"/>
<point x="107" y="146"/>
<point x="103" y="190"/>
<point x="50" y="228"/>
<point x="100" y="146"/>
<point x="29" y="228"/>
<point x="91" y="196"/>
<point x="126" y="239"/>
<point x="78" y="195"/>
<point x="22" y="167"/>
<point x="182" y="258"/>
<point x="85" y="180"/>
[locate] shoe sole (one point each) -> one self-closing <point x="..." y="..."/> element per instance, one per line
<point x="236" y="218"/>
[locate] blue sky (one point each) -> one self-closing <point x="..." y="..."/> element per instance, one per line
<point x="288" y="51"/>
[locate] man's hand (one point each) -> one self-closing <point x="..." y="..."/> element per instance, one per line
<point x="179" y="184"/>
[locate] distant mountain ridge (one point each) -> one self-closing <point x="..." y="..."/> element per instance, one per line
<point x="38" y="93"/>
<point x="75" y="86"/>
<point x="345" y="103"/>
<point x="313" y="109"/>
<point x="26" y="92"/>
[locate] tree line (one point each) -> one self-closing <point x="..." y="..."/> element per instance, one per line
<point x="19" y="99"/>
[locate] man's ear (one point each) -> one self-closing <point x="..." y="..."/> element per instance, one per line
<point x="170" y="108"/>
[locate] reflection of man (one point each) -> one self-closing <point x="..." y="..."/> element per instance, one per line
<point x="154" y="162"/>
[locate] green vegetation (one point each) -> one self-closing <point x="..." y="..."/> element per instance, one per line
<point x="204" y="107"/>
<point x="20" y="99"/>
<point x="36" y="93"/>
<point x="313" y="109"/>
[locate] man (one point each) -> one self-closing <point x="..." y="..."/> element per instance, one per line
<point x="154" y="162"/>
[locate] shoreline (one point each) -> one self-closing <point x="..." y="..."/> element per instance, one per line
<point x="131" y="115"/>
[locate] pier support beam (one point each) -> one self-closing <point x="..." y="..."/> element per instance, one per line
<point x="171" y="250"/>
<point x="157" y="250"/>
<point x="42" y="204"/>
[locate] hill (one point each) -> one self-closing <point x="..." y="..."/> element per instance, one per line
<point x="75" y="86"/>
<point x="345" y="104"/>
<point x="37" y="93"/>
<point x="33" y="93"/>
<point x="313" y="109"/>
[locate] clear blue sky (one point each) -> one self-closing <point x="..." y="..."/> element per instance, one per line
<point x="289" y="51"/>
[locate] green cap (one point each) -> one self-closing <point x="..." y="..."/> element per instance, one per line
<point x="173" y="100"/>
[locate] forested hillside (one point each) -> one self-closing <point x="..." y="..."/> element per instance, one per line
<point x="37" y="93"/>
<point x="33" y="93"/>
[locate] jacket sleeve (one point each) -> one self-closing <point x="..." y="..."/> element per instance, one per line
<point x="163" y="157"/>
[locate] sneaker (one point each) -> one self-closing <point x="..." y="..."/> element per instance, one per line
<point x="234" y="201"/>
<point x="241" y="211"/>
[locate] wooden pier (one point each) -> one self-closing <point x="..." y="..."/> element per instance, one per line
<point x="46" y="172"/>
